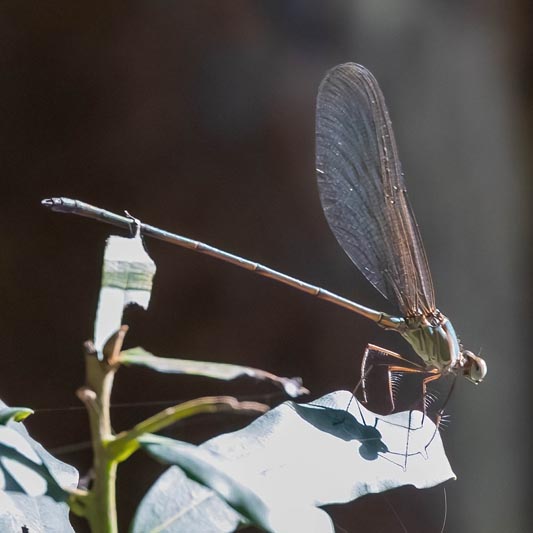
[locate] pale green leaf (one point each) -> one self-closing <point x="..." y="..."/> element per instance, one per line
<point x="280" y="469"/>
<point x="127" y="276"/>
<point x="15" y="414"/>
<point x="33" y="483"/>
<point x="223" y="371"/>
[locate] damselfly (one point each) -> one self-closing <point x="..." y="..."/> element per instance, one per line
<point x="365" y="202"/>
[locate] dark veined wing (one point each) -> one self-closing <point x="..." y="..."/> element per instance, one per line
<point x="363" y="192"/>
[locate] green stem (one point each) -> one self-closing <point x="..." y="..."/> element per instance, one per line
<point x="126" y="442"/>
<point x="104" y="517"/>
<point x="99" y="503"/>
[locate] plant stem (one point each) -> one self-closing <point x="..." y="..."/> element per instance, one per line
<point x="125" y="443"/>
<point x="100" y="501"/>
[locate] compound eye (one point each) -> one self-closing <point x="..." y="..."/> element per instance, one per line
<point x="478" y="368"/>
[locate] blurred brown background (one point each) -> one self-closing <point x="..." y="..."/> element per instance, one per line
<point x="198" y="117"/>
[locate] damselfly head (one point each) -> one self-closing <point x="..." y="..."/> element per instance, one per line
<point x="475" y="368"/>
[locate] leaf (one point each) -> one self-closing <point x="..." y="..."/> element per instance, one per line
<point x="17" y="414"/>
<point x="33" y="484"/>
<point x="127" y="275"/>
<point x="223" y="371"/>
<point x="277" y="471"/>
<point x="191" y="507"/>
<point x="259" y="509"/>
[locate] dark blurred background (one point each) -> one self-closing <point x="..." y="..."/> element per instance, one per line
<point x="198" y="117"/>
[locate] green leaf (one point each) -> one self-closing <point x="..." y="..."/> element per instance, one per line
<point x="277" y="471"/>
<point x="15" y="414"/>
<point x="33" y="484"/>
<point x="199" y="466"/>
<point x="177" y="503"/>
<point x="140" y="357"/>
<point x="271" y="514"/>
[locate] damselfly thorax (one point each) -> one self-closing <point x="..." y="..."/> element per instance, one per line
<point x="434" y="340"/>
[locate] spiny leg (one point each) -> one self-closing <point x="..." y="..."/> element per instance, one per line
<point x="441" y="418"/>
<point x="427" y="377"/>
<point x="375" y="357"/>
<point x="397" y="367"/>
<point x="396" y="372"/>
<point x="354" y="391"/>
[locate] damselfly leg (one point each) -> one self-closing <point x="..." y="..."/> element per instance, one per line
<point x="394" y="370"/>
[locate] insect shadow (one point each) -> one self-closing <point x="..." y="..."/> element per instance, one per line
<point x="344" y="425"/>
